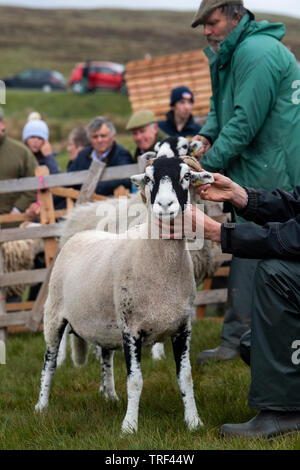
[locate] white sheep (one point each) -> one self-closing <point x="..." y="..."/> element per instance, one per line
<point x="128" y="212"/>
<point x="127" y="292"/>
<point x="18" y="255"/>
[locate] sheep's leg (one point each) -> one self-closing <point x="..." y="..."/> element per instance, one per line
<point x="62" y="352"/>
<point x="158" y="351"/>
<point x="107" y="387"/>
<point x="49" y="366"/>
<point x="132" y="351"/>
<point x="181" y="349"/>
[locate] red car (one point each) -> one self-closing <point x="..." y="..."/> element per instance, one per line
<point x="100" y="75"/>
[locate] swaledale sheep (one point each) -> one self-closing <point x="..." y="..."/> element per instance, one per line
<point x="130" y="212"/>
<point x="118" y="292"/>
<point x="127" y="213"/>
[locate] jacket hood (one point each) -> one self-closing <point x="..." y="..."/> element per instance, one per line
<point x="247" y="27"/>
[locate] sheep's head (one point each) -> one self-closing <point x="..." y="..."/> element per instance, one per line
<point x="165" y="184"/>
<point x="174" y="147"/>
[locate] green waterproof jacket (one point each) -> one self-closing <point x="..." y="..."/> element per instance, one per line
<point x="254" y="121"/>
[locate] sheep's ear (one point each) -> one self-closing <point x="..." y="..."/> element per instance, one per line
<point x="201" y="177"/>
<point x="147" y="156"/>
<point x="157" y="146"/>
<point x="194" y="147"/>
<point x="138" y="180"/>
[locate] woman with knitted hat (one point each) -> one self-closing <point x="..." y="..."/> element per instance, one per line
<point x="35" y="136"/>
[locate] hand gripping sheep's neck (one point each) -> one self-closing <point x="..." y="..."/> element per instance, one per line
<point x="145" y="297"/>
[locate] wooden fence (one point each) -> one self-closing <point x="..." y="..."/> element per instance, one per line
<point x="29" y="314"/>
<point x="150" y="81"/>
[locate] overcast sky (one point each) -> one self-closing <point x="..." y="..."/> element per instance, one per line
<point x="289" y="7"/>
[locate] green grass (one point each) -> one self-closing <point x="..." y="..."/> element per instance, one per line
<point x="79" y="418"/>
<point x="60" y="38"/>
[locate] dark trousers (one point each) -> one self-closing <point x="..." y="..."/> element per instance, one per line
<point x="237" y="319"/>
<point x="275" y="337"/>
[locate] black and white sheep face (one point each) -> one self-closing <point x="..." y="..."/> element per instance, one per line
<point x="166" y="183"/>
<point x="172" y="147"/>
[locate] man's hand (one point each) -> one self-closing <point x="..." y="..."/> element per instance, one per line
<point x="206" y="144"/>
<point x="33" y="211"/>
<point x="191" y="224"/>
<point x="223" y="189"/>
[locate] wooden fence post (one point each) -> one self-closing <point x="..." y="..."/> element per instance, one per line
<point x="47" y="215"/>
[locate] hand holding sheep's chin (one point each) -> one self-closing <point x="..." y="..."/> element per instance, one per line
<point x="191" y="224"/>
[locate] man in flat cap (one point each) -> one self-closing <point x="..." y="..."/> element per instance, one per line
<point x="252" y="131"/>
<point x="145" y="131"/>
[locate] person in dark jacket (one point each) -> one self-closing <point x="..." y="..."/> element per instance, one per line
<point x="274" y="238"/>
<point x="77" y="141"/>
<point x="179" y="120"/>
<point x="102" y="135"/>
<point x="251" y="132"/>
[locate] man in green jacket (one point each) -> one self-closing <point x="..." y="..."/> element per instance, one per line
<point x="252" y="131"/>
<point x="16" y="161"/>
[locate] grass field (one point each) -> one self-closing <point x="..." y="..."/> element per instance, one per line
<point x="60" y="38"/>
<point x="79" y="418"/>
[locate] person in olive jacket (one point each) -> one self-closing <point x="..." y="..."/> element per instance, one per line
<point x="102" y="135"/>
<point x="275" y="303"/>
<point x="252" y="130"/>
<point x="16" y="161"/>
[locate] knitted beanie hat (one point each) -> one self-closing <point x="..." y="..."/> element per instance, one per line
<point x="35" y="128"/>
<point x="181" y="93"/>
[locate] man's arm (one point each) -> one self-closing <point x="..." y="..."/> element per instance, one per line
<point x="255" y="85"/>
<point x="27" y="197"/>
<point x="280" y="239"/>
<point x="211" y="129"/>
<point x="258" y="206"/>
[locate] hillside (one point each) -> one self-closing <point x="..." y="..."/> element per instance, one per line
<point x="60" y="38"/>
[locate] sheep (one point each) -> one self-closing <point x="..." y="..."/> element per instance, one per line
<point x="145" y="297"/>
<point x="130" y="212"/>
<point x="18" y="255"/>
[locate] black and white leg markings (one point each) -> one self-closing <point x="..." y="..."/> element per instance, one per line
<point x="49" y="368"/>
<point x="181" y="349"/>
<point x="132" y="351"/>
<point x="107" y="387"/>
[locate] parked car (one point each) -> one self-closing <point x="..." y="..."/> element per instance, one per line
<point x="100" y="76"/>
<point x="41" y="79"/>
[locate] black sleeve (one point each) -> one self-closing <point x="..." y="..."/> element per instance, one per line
<point x="273" y="240"/>
<point x="264" y="206"/>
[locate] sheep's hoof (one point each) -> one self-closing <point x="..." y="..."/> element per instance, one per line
<point x="128" y="428"/>
<point x="109" y="396"/>
<point x="39" y="408"/>
<point x="194" y="423"/>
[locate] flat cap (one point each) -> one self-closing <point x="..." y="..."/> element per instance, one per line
<point x="208" y="6"/>
<point x="1" y="114"/>
<point x="140" y="119"/>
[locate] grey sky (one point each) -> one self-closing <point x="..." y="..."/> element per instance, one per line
<point x="289" y="7"/>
